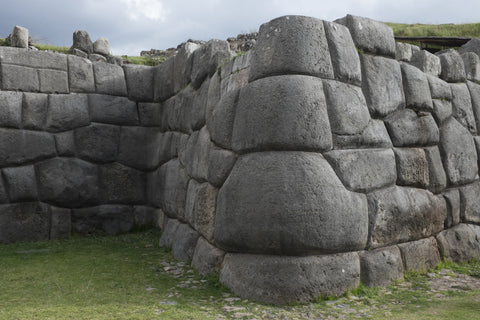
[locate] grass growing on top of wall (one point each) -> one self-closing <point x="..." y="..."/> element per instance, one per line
<point x="468" y="30"/>
<point x="129" y="277"/>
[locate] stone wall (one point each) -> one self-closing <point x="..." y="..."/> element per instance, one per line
<point x="326" y="156"/>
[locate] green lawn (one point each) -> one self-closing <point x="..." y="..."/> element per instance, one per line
<point x="129" y="277"/>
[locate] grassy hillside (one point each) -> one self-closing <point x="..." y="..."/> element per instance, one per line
<point x="469" y="30"/>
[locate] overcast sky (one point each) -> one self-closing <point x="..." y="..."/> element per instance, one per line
<point x="135" y="25"/>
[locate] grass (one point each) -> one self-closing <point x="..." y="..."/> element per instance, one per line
<point x="469" y="30"/>
<point x="129" y="277"/>
<point x="147" y="61"/>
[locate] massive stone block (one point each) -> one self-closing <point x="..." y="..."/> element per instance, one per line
<point x="460" y="243"/>
<point x="470" y="203"/>
<point x="10" y="109"/>
<point x="416" y="88"/>
<point x="207" y="59"/>
<point x="207" y="258"/>
<point x="111" y="219"/>
<point x="347" y="108"/>
<point x="182" y="67"/>
<point x="475" y="101"/>
<point x="163" y="78"/>
<point x="380" y="267"/>
<point x="409" y="129"/>
<point x="345" y="60"/>
<point x="97" y="142"/>
<point x="421" y="255"/>
<point x="67" y="111"/>
<point x="436" y="174"/>
<point x="452" y="196"/>
<point x="184" y="242"/>
<point x="458" y="153"/>
<point x="400" y="214"/>
<point x="382" y="85"/>
<point x="442" y="110"/>
<point x="284" y="279"/>
<point x="113" y="110"/>
<point x="220" y="163"/>
<point x="139" y="82"/>
<point x="427" y="62"/>
<point x="267" y="189"/>
<point x="196" y="154"/>
<point x="67" y="182"/>
<point x="34" y="110"/>
<point x="462" y="107"/>
<point x="15" y="77"/>
<point x="364" y="170"/>
<point x="20" y="183"/>
<point x="221" y="121"/>
<point x="200" y="207"/>
<point x="412" y="167"/>
<point x="453" y="69"/>
<point x="33" y="59"/>
<point x="20" y="146"/>
<point x="439" y="88"/>
<point x="109" y="79"/>
<point x="26" y="221"/>
<point x="121" y="184"/>
<point x="291" y="45"/>
<point x="150" y="114"/>
<point x="53" y="81"/>
<point x="80" y="74"/>
<point x="140" y="147"/>
<point x="282" y="113"/>
<point x="375" y="135"/>
<point x="471" y="62"/>
<point x="370" y="35"/>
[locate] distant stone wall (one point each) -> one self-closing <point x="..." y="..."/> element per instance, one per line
<point x="326" y="156"/>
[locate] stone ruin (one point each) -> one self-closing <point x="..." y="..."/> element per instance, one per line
<point x="327" y="156"/>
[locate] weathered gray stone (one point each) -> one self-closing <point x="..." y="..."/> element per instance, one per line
<point x="442" y="110"/>
<point x="139" y="147"/>
<point x="382" y="85"/>
<point x="220" y="163"/>
<point x="381" y="266"/>
<point x="195" y="115"/>
<point x="150" y="114"/>
<point x="416" y="88"/>
<point x="121" y="184"/>
<point x="471" y="46"/>
<point x="168" y="234"/>
<point x="475" y="100"/>
<point x="20" y="146"/>
<point x="439" y="88"/>
<point x="169" y="183"/>
<point x="183" y="65"/>
<point x="163" y="80"/>
<point x="178" y="113"/>
<point x="61" y="223"/>
<point x="171" y="145"/>
<point x="19" y="37"/>
<point x="291" y="45"/>
<point x="282" y="113"/>
<point x="207" y="59"/>
<point x="97" y="142"/>
<point x="370" y="35"/>
<point x="452" y="196"/>
<point x="79" y="53"/>
<point x="26" y="221"/>
<point x="412" y="167"/>
<point x="462" y="107"/>
<point x="67" y="182"/>
<point x="33" y="58"/>
<point x="80" y="74"/>
<point x="221" y="121"/>
<point x="427" y="62"/>
<point x="196" y="154"/>
<point x="470" y="203"/>
<point x="436" y="174"/>
<point x="109" y="79"/>
<point x="471" y="61"/>
<point x="94" y="57"/>
<point x="207" y="259"/>
<point x="147" y="217"/>
<point x="65" y="143"/>
<point x="102" y="46"/>
<point x="200" y="207"/>
<point x="3" y="193"/>
<point x="139" y="82"/>
<point x="364" y="170"/>
<point x="82" y="41"/>
<point x="112" y="110"/>
<point x="111" y="219"/>
<point x="375" y="135"/>
<point x="10" y="109"/>
<point x="458" y="153"/>
<point x="53" y="81"/>
<point x="263" y="191"/>
<point x="407" y="129"/>
<point x="20" y="183"/>
<point x="283" y="279"/>
<point x="421" y="255"/>
<point x="453" y="69"/>
<point x="19" y="78"/>
<point x="460" y="243"/>
<point x="403" y="51"/>
<point x="115" y="60"/>
<point x="34" y="110"/>
<point x="184" y="242"/>
<point x="67" y="111"/>
<point x="347" y="108"/>
<point x="400" y="214"/>
<point x="345" y="60"/>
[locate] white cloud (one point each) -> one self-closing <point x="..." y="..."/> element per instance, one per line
<point x="150" y="9"/>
